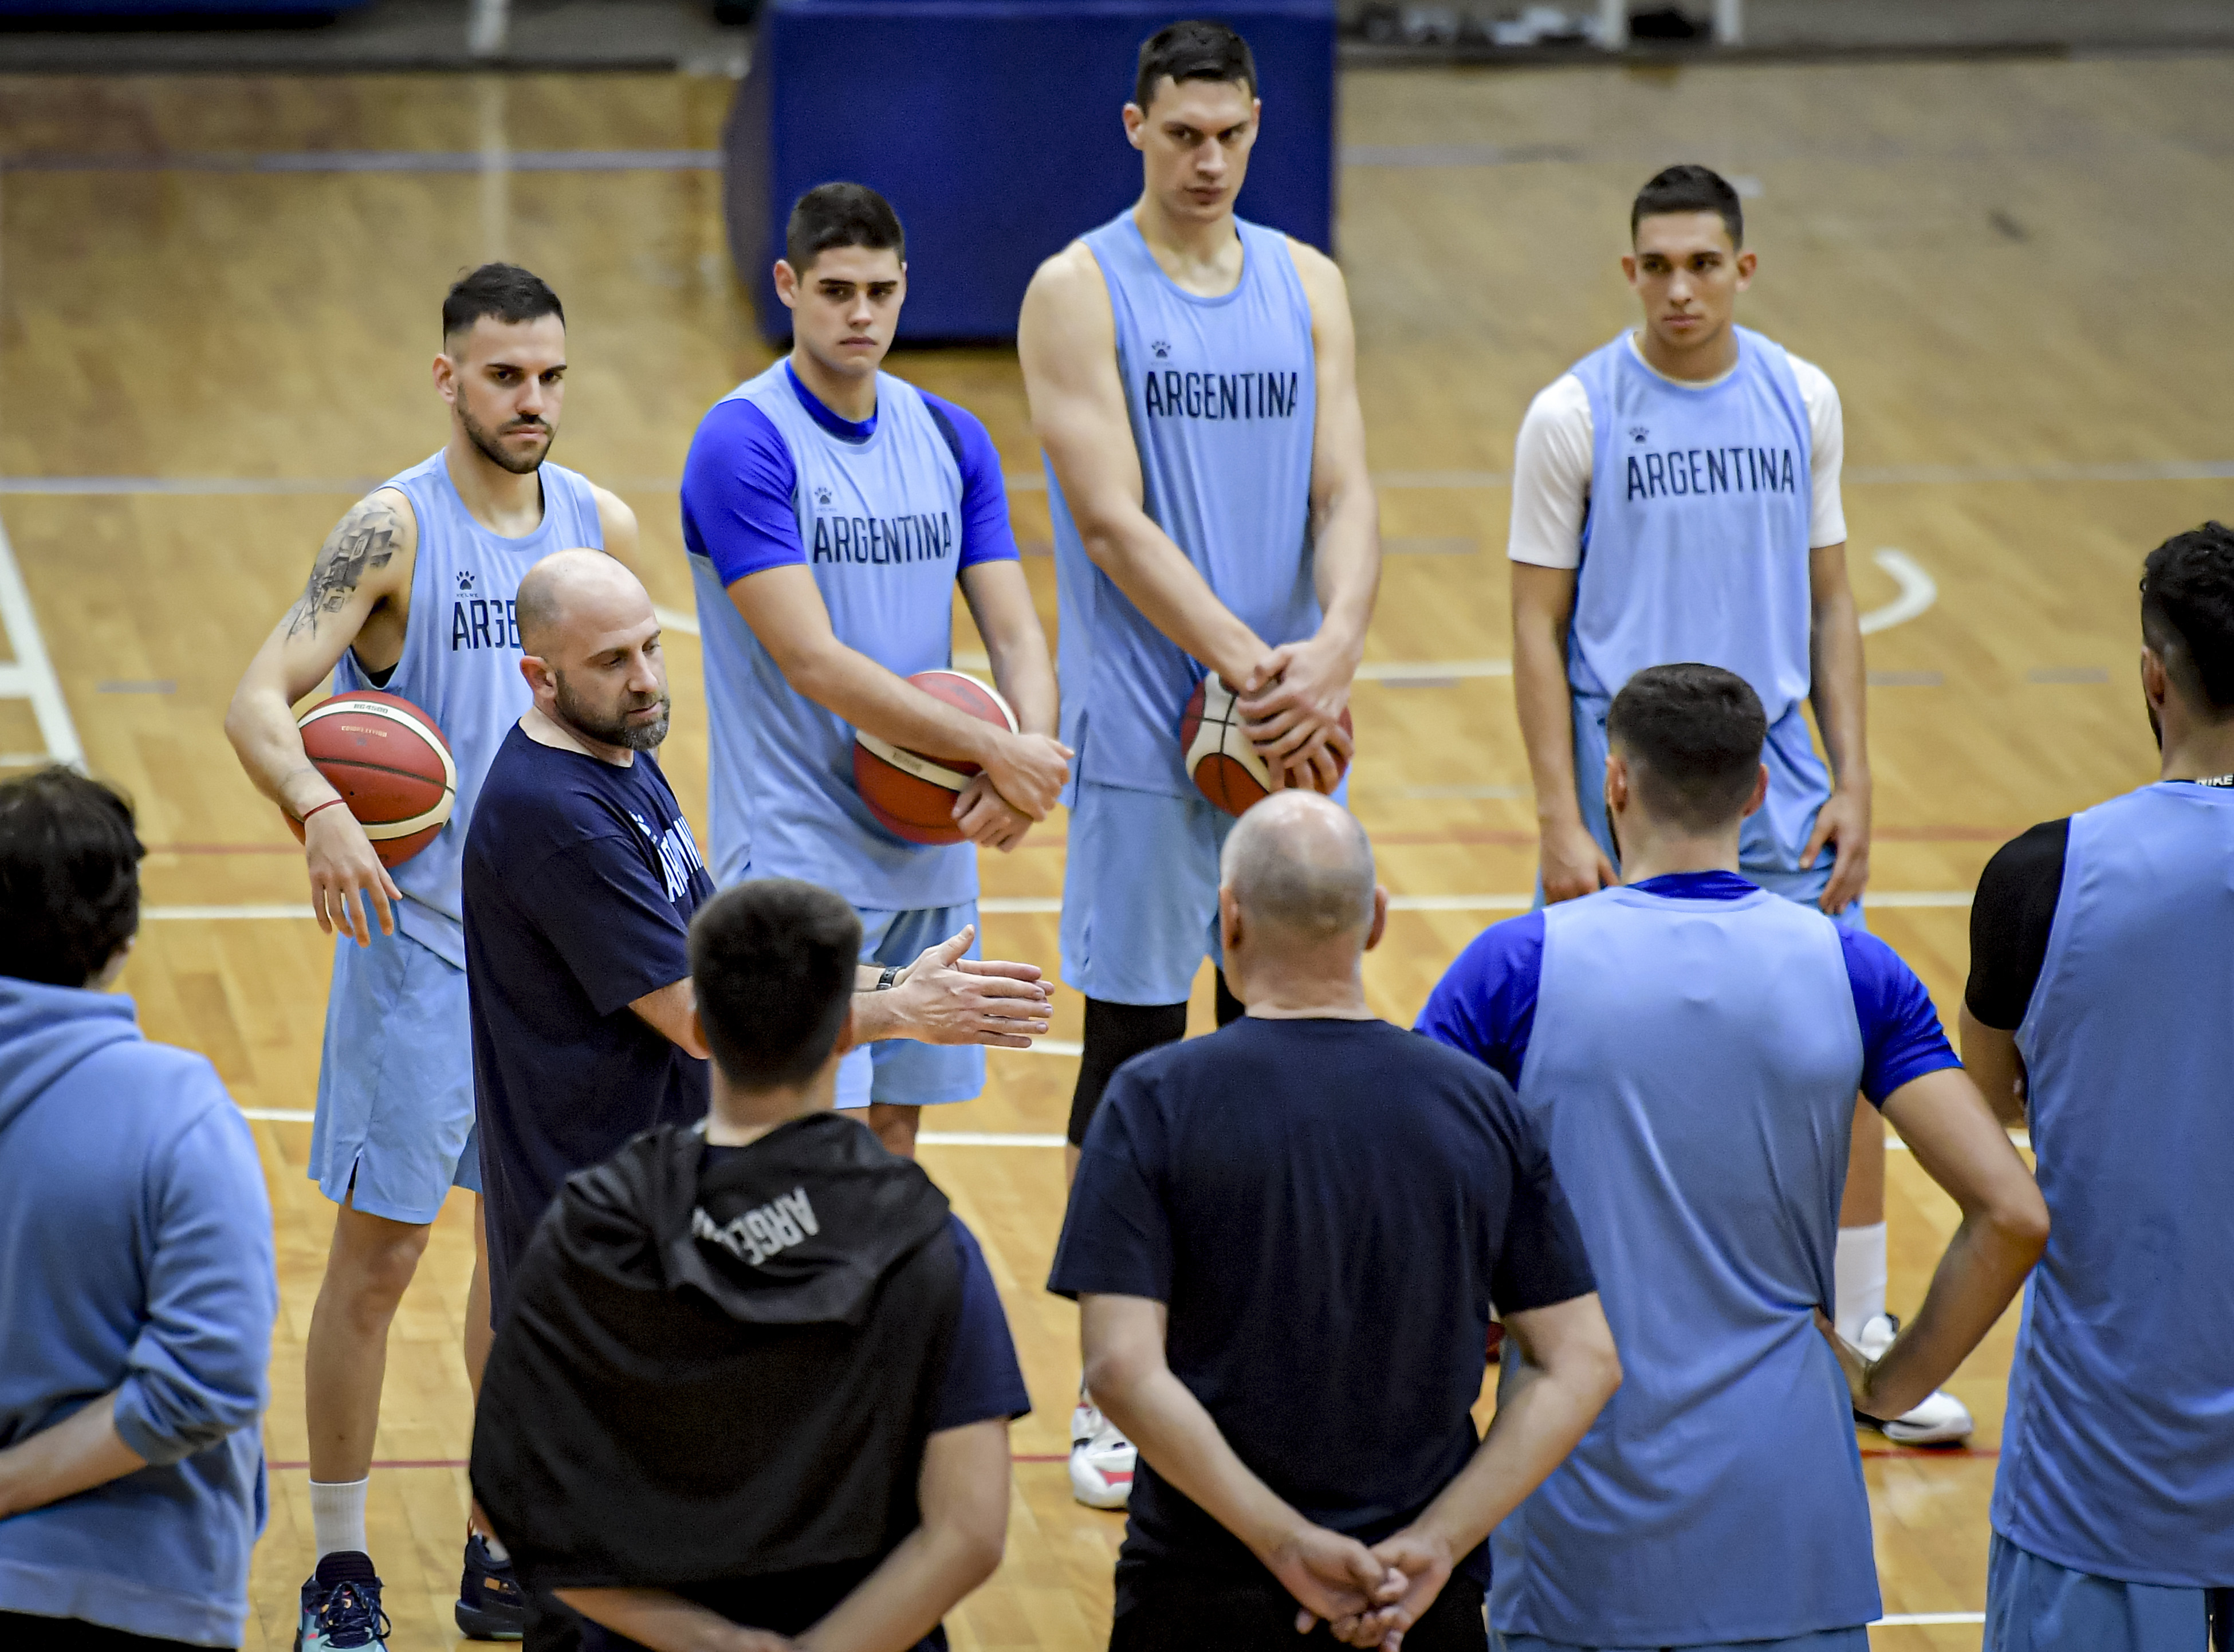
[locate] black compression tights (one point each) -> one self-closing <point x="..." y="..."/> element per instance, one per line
<point x="1116" y="1033"/>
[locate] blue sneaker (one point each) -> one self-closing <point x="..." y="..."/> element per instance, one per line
<point x="489" y="1606"/>
<point x="341" y="1607"/>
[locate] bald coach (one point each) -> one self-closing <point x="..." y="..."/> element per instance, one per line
<point x="581" y="878"/>
<point x="1388" y="1190"/>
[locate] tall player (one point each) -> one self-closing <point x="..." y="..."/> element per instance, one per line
<point x="1192" y="378"/>
<point x="831" y="511"/>
<point x="1675" y="497"/>
<point x="2101" y="993"/>
<point x="413" y="592"/>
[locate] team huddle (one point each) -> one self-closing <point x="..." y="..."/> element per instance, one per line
<point x="744" y="1379"/>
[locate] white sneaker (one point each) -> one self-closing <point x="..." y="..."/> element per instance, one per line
<point x="1941" y="1420"/>
<point x="1101" y="1460"/>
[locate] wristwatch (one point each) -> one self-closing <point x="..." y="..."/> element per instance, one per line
<point x="890" y="978"/>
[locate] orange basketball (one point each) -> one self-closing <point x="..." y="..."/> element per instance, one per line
<point x="390" y="764"/>
<point x="1224" y="764"/>
<point x="912" y="795"/>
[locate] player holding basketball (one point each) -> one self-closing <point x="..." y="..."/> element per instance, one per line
<point x="413" y="592"/>
<point x="2100" y="981"/>
<point x="1192" y="378"/>
<point x="831" y="511"/>
<point x="1675" y="497"/>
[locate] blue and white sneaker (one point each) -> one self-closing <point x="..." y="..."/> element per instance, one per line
<point x="489" y="1605"/>
<point x="341" y="1607"/>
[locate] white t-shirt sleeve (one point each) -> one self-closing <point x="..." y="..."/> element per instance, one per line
<point x="1827" y="427"/>
<point x="1551" y="476"/>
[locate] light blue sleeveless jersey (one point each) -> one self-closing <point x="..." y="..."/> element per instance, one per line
<point x="1695" y="547"/>
<point x="881" y="524"/>
<point x="1693" y="1065"/>
<point x="460" y="662"/>
<point x="2118" y="1447"/>
<point x="1223" y="396"/>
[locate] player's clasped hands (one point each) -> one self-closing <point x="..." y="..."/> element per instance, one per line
<point x="1362" y="1597"/>
<point x="953" y="999"/>
<point x="348" y="883"/>
<point x="1292" y="704"/>
<point x="1029" y="770"/>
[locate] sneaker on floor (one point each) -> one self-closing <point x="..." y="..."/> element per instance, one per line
<point x="341" y="1607"/>
<point x="1101" y="1460"/>
<point x="1941" y="1420"/>
<point x="489" y="1605"/>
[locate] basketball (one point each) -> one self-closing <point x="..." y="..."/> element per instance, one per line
<point x="911" y="795"/>
<point x="390" y="764"/>
<point x="1219" y="756"/>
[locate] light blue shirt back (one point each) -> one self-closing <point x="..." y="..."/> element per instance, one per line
<point x="460" y="662"/>
<point x="1694" y="1064"/>
<point x="1223" y="396"/>
<point x="2118" y="1447"/>
<point x="880" y="521"/>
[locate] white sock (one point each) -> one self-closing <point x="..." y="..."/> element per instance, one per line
<point x="497" y="1552"/>
<point x="1859" y="1270"/>
<point x="338" y="1516"/>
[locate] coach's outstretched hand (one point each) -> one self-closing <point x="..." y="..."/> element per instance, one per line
<point x="944" y="998"/>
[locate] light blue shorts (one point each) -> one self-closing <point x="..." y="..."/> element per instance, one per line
<point x="395" y="1081"/>
<point x="900" y="1072"/>
<point x="2035" y="1605"/>
<point x="1139" y="893"/>
<point x="1798" y="786"/>
<point x="1852" y="1640"/>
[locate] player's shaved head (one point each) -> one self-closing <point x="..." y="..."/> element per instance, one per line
<point x="581" y="587"/>
<point x="1299" y="863"/>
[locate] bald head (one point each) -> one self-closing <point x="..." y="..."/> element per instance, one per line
<point x="589" y="643"/>
<point x="1299" y="863"/>
<point x="571" y="592"/>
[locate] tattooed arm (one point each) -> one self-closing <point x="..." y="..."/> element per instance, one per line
<point x="358" y="593"/>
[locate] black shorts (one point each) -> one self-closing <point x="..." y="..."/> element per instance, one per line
<point x="1172" y="1610"/>
<point x="27" y="1632"/>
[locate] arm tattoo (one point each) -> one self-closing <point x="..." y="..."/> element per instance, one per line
<point x="363" y="539"/>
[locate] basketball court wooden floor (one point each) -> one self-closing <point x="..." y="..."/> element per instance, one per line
<point x="217" y="304"/>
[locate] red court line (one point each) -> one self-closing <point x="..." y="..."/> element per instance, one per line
<point x="1412" y="839"/>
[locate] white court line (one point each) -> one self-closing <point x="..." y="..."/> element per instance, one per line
<point x="279" y="1115"/>
<point x="1918" y="1620"/>
<point x="1025" y="905"/>
<point x="31" y="676"/>
<point x="1918" y="590"/>
<point x="980" y="1138"/>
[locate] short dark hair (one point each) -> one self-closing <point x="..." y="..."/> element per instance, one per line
<point x="1689" y="189"/>
<point x="505" y="290"/>
<point x="70" y="877"/>
<point x="1693" y="735"/>
<point x="2187" y="614"/>
<point x="772" y="963"/>
<point x="831" y="215"/>
<point x="1193" y="51"/>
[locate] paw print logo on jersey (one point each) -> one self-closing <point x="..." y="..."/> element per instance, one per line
<point x="465" y="583"/>
<point x="1160" y="348"/>
<point x="1638" y="433"/>
<point x="822" y="496"/>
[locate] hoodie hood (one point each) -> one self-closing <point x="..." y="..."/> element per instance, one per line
<point x="45" y="1031"/>
<point x="798" y="1229"/>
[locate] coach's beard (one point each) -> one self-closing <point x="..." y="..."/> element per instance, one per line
<point x="614" y="728"/>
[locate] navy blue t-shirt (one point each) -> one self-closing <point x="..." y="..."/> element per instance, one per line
<point x="1328" y="1209"/>
<point x="580" y="881"/>
<point x="1485" y="1003"/>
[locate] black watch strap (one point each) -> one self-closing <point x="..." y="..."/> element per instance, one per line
<point x="886" y="980"/>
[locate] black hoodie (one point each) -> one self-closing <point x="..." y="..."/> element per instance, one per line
<point x="719" y="1381"/>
